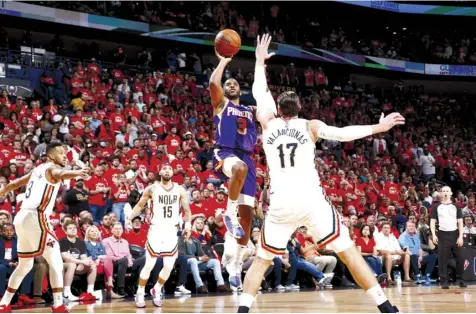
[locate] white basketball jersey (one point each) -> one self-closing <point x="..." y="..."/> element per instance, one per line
<point x="290" y="154"/>
<point x="40" y="194"/>
<point x="165" y="206"/>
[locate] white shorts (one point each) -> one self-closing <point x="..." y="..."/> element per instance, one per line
<point x="34" y="233"/>
<point x="306" y="209"/>
<point x="162" y="243"/>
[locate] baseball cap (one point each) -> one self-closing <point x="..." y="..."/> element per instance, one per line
<point x="222" y="191"/>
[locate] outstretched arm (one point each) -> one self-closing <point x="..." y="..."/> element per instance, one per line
<point x="60" y="174"/>
<point x="15" y="185"/>
<point x="350" y="133"/>
<point x="216" y="90"/>
<point x="266" y="107"/>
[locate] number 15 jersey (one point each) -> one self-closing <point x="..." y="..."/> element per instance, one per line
<point x="290" y="155"/>
<point x="165" y="206"/>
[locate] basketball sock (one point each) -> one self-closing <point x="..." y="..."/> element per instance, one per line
<point x="57" y="299"/>
<point x="67" y="291"/>
<point x="90" y="288"/>
<point x="377" y="294"/>
<point x="231" y="207"/>
<point x="246" y="301"/>
<point x="7" y="298"/>
<point x="141" y="289"/>
<point x="158" y="289"/>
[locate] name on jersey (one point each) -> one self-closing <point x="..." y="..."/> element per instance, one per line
<point x="287" y="132"/>
<point x="167" y="199"/>
<point x="235" y="112"/>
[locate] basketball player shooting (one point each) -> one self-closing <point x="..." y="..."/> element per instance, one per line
<point x="235" y="140"/>
<point x="289" y="144"/>
<point x="35" y="237"/>
<point x="166" y="198"/>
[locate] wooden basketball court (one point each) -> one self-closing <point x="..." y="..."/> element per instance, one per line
<point x="408" y="299"/>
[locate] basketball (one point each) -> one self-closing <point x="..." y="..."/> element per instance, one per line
<point x="227" y="43"/>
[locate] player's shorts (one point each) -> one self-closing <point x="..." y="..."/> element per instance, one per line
<point x="289" y="212"/>
<point x="224" y="159"/>
<point x="162" y="243"/>
<point x="34" y="233"/>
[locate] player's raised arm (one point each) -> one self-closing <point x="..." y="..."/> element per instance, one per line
<point x="60" y="174"/>
<point x="216" y="90"/>
<point x="350" y="133"/>
<point x="186" y="208"/>
<point x="15" y="185"/>
<point x="266" y="107"/>
<point x="146" y="196"/>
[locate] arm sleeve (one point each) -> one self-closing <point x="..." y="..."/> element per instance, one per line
<point x="261" y="93"/>
<point x="346" y="134"/>
<point x="459" y="212"/>
<point x="434" y="212"/>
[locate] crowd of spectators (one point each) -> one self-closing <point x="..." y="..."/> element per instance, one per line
<point x="125" y="127"/>
<point x="326" y="28"/>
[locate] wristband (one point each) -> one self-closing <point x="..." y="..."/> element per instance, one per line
<point x="188" y="225"/>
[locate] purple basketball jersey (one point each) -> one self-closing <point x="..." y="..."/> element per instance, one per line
<point x="236" y="128"/>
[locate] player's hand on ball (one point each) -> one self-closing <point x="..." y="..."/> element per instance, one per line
<point x="222" y="58"/>
<point x="262" y="45"/>
<point x="391" y="120"/>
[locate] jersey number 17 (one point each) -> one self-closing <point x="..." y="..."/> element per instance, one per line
<point x="290" y="146"/>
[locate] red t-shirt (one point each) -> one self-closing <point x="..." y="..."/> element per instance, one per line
<point x="92" y="185"/>
<point x="123" y="197"/>
<point x="202" y="208"/>
<point x="365" y="247"/>
<point x="105" y="233"/>
<point x="136" y="238"/>
<point x="173" y="143"/>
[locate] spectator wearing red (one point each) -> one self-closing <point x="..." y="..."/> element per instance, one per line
<point x="173" y="141"/>
<point x="195" y="173"/>
<point x="159" y="124"/>
<point x="189" y="143"/>
<point x="366" y="245"/>
<point x="105" y="227"/>
<point x="201" y="232"/>
<point x="219" y="204"/>
<point x="180" y="166"/>
<point x="198" y="208"/>
<point x="113" y="172"/>
<point x="138" y="234"/>
<point x="99" y="189"/>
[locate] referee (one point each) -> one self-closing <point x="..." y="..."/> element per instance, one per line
<point x="450" y="236"/>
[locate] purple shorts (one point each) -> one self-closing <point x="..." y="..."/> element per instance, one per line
<point x="248" y="191"/>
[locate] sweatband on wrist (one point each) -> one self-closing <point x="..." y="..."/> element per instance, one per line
<point x="188" y="225"/>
